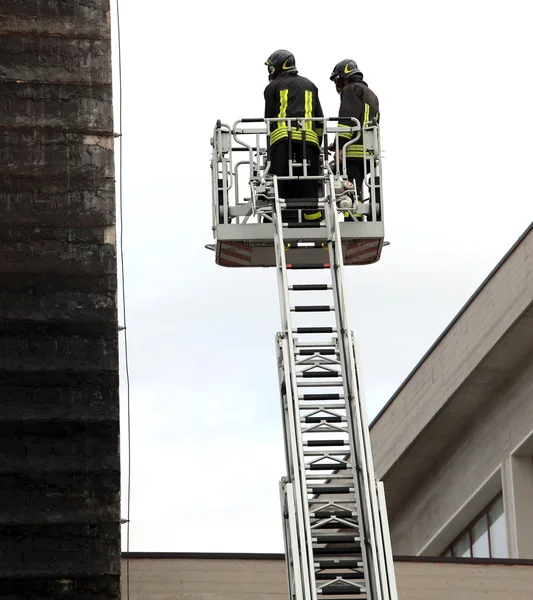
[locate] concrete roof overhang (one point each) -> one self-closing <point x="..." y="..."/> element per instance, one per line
<point x="486" y="342"/>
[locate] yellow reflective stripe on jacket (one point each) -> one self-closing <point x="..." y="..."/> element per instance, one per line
<point x="283" y="103"/>
<point x="313" y="216"/>
<point x="308" y="109"/>
<point x="348" y="135"/>
<point x="296" y="134"/>
<point x="282" y="130"/>
<point x="355" y="151"/>
<point x="367" y="113"/>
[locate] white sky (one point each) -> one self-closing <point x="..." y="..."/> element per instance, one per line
<point x="455" y="88"/>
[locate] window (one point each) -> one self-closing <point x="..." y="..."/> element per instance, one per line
<point x="485" y="537"/>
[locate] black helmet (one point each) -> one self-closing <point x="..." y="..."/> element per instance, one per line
<point x="280" y="61"/>
<point x="346" y="69"/>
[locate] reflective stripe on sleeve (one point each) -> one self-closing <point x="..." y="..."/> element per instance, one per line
<point x="313" y="216"/>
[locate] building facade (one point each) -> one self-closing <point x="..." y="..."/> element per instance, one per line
<point x="454" y="445"/>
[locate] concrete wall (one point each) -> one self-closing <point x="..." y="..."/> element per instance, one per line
<point x="228" y="579"/>
<point x="253" y="579"/>
<point x="59" y="462"/>
<point x="442" y="581"/>
<point x="483" y="323"/>
<point x="444" y="445"/>
<point x="470" y="476"/>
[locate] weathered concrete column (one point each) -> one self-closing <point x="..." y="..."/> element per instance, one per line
<point x="518" y="502"/>
<point x="59" y="459"/>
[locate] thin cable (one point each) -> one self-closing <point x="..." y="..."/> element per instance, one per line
<point x="123" y="291"/>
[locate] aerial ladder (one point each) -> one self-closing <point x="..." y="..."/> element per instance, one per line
<point x="337" y="542"/>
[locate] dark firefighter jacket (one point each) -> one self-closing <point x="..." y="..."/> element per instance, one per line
<point x="291" y="95"/>
<point x="359" y="101"/>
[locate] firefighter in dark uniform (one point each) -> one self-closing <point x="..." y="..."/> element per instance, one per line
<point x="359" y="101"/>
<point x="291" y="95"/>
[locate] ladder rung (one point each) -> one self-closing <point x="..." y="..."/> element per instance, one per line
<point x="322" y="406"/>
<point x="329" y="489"/>
<point x="310" y="308"/>
<point x="339" y="528"/>
<point x="333" y="577"/>
<point x="318" y="384"/>
<point x="330" y="538"/>
<point x="326" y="419"/>
<point x="336" y="528"/>
<point x="318" y="374"/>
<point x="355" y="595"/>
<point x="318" y="476"/>
<point x="314" y="330"/>
<point x="321" y="397"/>
<point x="311" y="351"/>
<point x="315" y="344"/>
<point x="338" y="551"/>
<point x="326" y="453"/>
<point x="339" y="564"/>
<point x="311" y="443"/>
<point x="309" y="287"/>
<point x="308" y="266"/>
<point x="324" y="514"/>
<point x="326" y="467"/>
<point x="340" y="590"/>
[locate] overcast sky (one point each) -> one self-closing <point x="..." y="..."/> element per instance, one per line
<point x="456" y="96"/>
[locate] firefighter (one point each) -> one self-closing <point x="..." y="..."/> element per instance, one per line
<point x="291" y="95"/>
<point x="359" y="101"/>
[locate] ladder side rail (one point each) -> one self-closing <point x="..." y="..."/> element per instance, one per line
<point x="223" y="133"/>
<point x="372" y="482"/>
<point x="254" y="150"/>
<point x="220" y="174"/>
<point x="291" y="394"/>
<point x="371" y="166"/>
<point x="238" y="201"/>
<point x="252" y="131"/>
<point x="226" y="188"/>
<point x="356" y="127"/>
<point x="361" y="493"/>
<point x="290" y="533"/>
<point x="378" y="174"/>
<point x="299" y="537"/>
<point x="224" y="147"/>
<point x="249" y="149"/>
<point x="289" y="458"/>
<point x="368" y="169"/>
<point x="214" y="191"/>
<point x="366" y="510"/>
<point x="385" y="531"/>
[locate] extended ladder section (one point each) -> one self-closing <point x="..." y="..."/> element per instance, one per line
<point x="337" y="542"/>
<point x="335" y="523"/>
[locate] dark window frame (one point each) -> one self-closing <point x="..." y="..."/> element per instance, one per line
<point x="468" y="529"/>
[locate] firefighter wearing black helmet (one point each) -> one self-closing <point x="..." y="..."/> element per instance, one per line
<point x="291" y="95"/>
<point x="359" y="101"/>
